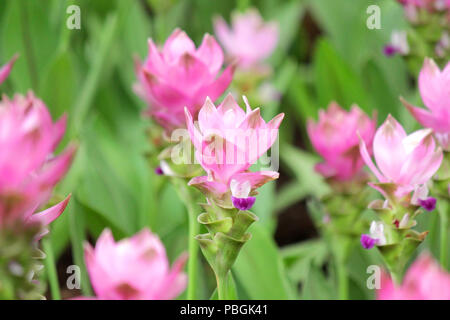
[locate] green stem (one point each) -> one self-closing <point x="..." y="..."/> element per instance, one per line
<point x="443" y="215"/>
<point x="342" y="277"/>
<point x="194" y="229"/>
<point x="193" y="247"/>
<point x="222" y="287"/>
<point x="51" y="269"/>
<point x="396" y="276"/>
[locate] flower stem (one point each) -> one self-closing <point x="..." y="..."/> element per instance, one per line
<point x="396" y="277"/>
<point x="194" y="228"/>
<point x="443" y="216"/>
<point x="51" y="269"/>
<point x="222" y="287"/>
<point x="342" y="277"/>
<point x="193" y="247"/>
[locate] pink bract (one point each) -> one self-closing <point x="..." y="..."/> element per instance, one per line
<point x="179" y="75"/>
<point x="6" y="69"/>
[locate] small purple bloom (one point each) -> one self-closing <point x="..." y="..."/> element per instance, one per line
<point x="428" y="204"/>
<point x="389" y="50"/>
<point x="368" y="242"/>
<point x="243" y="203"/>
<point x="159" y="171"/>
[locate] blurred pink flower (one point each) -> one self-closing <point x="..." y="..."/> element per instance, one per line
<point x="416" y="3"/>
<point x="424" y="280"/>
<point x="427" y="4"/>
<point x="181" y="76"/>
<point x="249" y="39"/>
<point x="28" y="168"/>
<point x="434" y="87"/>
<point x="335" y="138"/>
<point x="227" y="142"/>
<point x="6" y="69"/>
<point x="135" y="268"/>
<point x="407" y="161"/>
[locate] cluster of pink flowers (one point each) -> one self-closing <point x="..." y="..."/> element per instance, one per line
<point x="176" y="81"/>
<point x="135" y="268"/>
<point x="29" y="170"/>
<point x="408" y="162"/>
<point x="404" y="165"/>
<point x="425" y="280"/>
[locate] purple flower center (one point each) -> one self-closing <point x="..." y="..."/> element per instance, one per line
<point x="389" y="50"/>
<point x="159" y="171"/>
<point x="428" y="204"/>
<point x="368" y="242"/>
<point x="243" y="203"/>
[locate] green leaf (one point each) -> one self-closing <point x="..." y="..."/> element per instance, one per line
<point x="91" y="82"/>
<point x="300" y="256"/>
<point x="289" y="16"/>
<point x="301" y="164"/>
<point x="317" y="286"/>
<point x="259" y="268"/>
<point x="59" y="84"/>
<point x="335" y="80"/>
<point x="50" y="269"/>
<point x="78" y="237"/>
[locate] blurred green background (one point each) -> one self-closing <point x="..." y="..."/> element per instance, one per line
<point x="325" y="53"/>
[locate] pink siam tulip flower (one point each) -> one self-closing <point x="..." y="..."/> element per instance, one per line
<point x="135" y="268"/>
<point x="181" y="76"/>
<point x="425" y="280"/>
<point x="249" y="39"/>
<point x="406" y="161"/>
<point x="335" y="138"/>
<point x="434" y="87"/>
<point x="6" y="69"/>
<point x="28" y="168"/>
<point x="227" y="142"/>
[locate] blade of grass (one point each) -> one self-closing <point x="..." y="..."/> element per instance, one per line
<point x="50" y="269"/>
<point x="91" y="82"/>
<point x="77" y="231"/>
